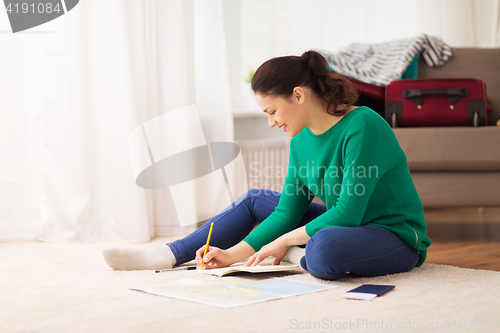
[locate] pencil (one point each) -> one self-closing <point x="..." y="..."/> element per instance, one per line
<point x="206" y="246"/>
<point x="176" y="269"/>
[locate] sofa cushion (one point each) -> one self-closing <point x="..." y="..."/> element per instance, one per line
<point x="466" y="189"/>
<point x="451" y="148"/>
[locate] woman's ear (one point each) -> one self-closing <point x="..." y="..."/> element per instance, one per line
<point x="298" y="95"/>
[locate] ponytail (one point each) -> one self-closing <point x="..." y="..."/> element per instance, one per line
<point x="279" y="76"/>
<point x="333" y="87"/>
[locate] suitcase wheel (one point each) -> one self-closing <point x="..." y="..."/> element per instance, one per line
<point x="475" y="120"/>
<point x="394" y="120"/>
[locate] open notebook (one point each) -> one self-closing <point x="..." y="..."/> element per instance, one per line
<point x="249" y="269"/>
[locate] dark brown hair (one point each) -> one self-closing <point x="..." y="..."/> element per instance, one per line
<point x="279" y="76"/>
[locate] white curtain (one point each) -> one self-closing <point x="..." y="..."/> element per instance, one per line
<point x="73" y="89"/>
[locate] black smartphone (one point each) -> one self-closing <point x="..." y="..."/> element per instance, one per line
<point x="368" y="291"/>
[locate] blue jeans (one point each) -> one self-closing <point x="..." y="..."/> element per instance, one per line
<point x="362" y="251"/>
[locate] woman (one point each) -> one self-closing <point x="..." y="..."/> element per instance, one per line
<point x="373" y="222"/>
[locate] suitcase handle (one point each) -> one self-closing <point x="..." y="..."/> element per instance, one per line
<point x="454" y="94"/>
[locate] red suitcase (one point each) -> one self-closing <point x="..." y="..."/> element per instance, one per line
<point x="436" y="102"/>
<point x="370" y="95"/>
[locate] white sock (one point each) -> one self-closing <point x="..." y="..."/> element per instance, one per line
<point x="125" y="258"/>
<point x="294" y="254"/>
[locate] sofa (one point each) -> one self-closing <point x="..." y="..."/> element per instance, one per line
<point x="458" y="166"/>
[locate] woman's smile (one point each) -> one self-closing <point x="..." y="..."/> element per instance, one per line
<point x="279" y="110"/>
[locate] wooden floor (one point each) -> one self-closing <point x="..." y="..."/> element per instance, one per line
<point x="464" y="237"/>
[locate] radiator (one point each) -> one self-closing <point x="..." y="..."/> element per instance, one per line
<point x="266" y="162"/>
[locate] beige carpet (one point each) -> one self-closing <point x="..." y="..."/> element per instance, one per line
<point x="67" y="287"/>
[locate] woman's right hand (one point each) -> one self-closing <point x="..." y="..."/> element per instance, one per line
<point x="215" y="257"/>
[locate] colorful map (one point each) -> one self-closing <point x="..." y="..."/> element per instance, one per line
<point x="229" y="292"/>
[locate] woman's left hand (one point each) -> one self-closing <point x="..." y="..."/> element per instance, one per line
<point x="276" y="249"/>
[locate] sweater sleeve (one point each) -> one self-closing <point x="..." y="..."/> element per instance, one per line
<point x="293" y="203"/>
<point x="364" y="148"/>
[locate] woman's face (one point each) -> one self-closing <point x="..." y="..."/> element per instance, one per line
<point x="285" y="113"/>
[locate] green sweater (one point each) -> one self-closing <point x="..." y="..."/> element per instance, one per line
<point x="358" y="169"/>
